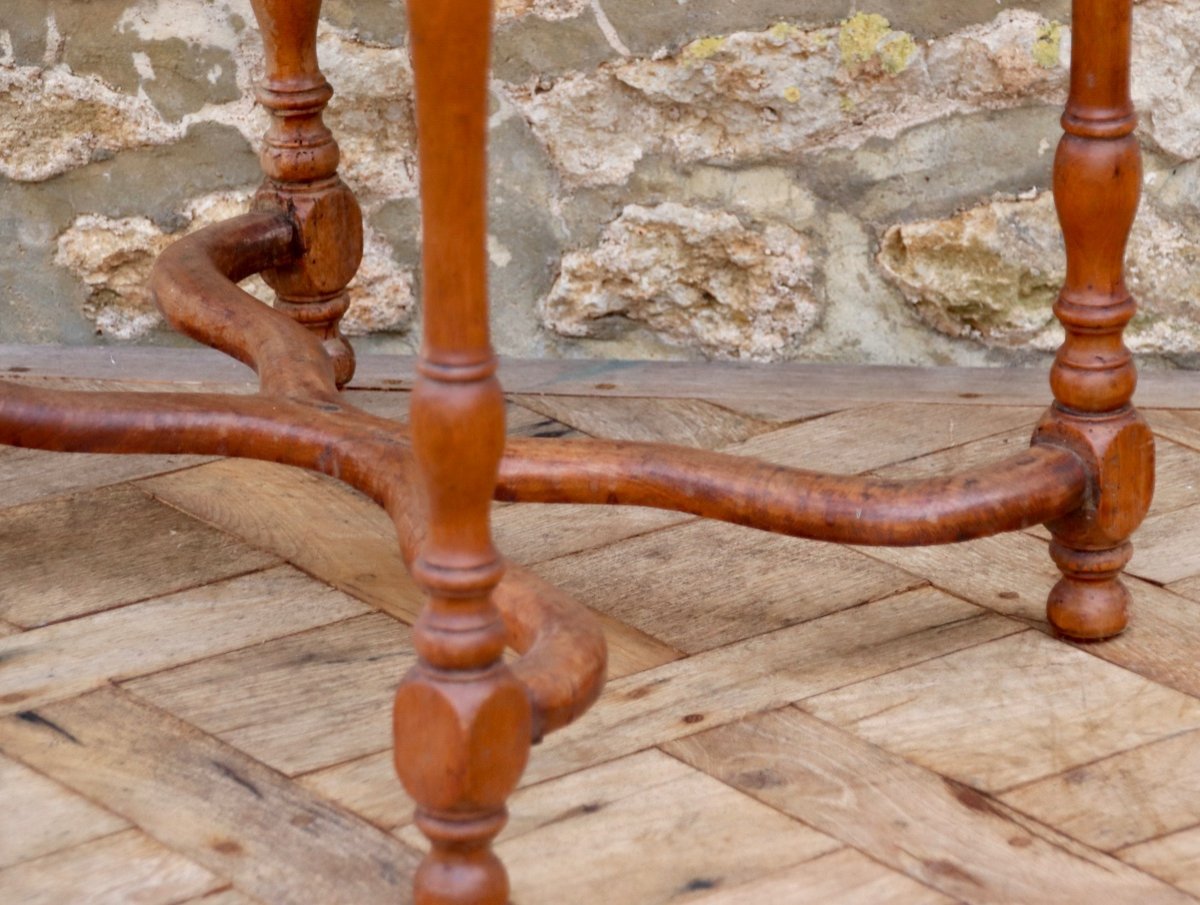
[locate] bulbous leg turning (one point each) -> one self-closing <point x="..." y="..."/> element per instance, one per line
<point x="1090" y="602"/>
<point x="1097" y="186"/>
<point x="461" y="744"/>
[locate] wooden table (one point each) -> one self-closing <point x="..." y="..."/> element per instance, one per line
<point x="464" y="719"/>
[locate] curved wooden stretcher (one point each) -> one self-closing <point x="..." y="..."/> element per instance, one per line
<point x="464" y="720"/>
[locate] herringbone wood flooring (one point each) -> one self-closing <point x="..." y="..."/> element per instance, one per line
<point x="197" y="660"/>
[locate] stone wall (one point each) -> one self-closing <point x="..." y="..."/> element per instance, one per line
<point x="817" y="180"/>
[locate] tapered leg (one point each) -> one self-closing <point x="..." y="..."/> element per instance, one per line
<point x="462" y="720"/>
<point x="1097" y="184"/>
<point x="300" y="159"/>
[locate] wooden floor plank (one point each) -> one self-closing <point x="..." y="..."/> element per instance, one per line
<point x="336" y="535"/>
<point x="71" y="657"/>
<point x="973" y="454"/>
<point x="644" y="829"/>
<point x="1177" y="477"/>
<point x="729" y="683"/>
<point x="129" y="363"/>
<point x="844" y="877"/>
<point x="532" y="533"/>
<point x="944" y="835"/>
<point x="1175" y="858"/>
<point x="1119" y="801"/>
<point x="684" y="422"/>
<point x="211" y="803"/>
<point x="705" y="584"/>
<point x="1189" y="588"/>
<point x="791" y="384"/>
<point x="164" y="384"/>
<point x="367" y="786"/>
<point x="1012" y="574"/>
<point x="1006" y="713"/>
<point x="41" y="816"/>
<point x="313" y="522"/>
<point x="119" y="869"/>
<point x="300" y="712"/>
<point x="1181" y="426"/>
<point x="520" y="421"/>
<point x="104" y="548"/>
<point x="228" y="897"/>
<point x="29" y="475"/>
<point x="864" y="439"/>
<point x="1178" y="468"/>
<point x="300" y="703"/>
<point x="1165" y="548"/>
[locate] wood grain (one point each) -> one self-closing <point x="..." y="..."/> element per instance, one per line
<point x="337" y="536"/>
<point x="59" y="563"/>
<point x="726" y="684"/>
<point x="228" y="897"/>
<point x="211" y="803"/>
<point x="29" y="475"/>
<point x="726" y="383"/>
<point x="942" y="834"/>
<point x="1174" y="858"/>
<point x="1008" y="574"/>
<point x="868" y="438"/>
<point x="844" y="877"/>
<point x="753" y="582"/>
<point x="118" y="869"/>
<point x="40" y="816"/>
<point x="367" y="786"/>
<point x="71" y="657"/>
<point x="686" y="422"/>
<point x="1047" y="708"/>
<point x="1166" y="551"/>
<point x="533" y="533"/>
<point x="299" y="703"/>
<point x="1134" y="795"/>
<point x="714" y="836"/>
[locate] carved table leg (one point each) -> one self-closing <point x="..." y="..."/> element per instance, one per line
<point x="1097" y="184"/>
<point x="300" y="161"/>
<point x="463" y="722"/>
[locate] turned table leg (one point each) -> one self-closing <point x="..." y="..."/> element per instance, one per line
<point x="463" y="722"/>
<point x="300" y="159"/>
<point x="1097" y="184"/>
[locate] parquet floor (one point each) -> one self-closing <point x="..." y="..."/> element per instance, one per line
<point x="197" y="660"/>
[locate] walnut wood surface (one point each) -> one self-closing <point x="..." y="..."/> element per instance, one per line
<point x="1097" y="185"/>
<point x="1026" y="489"/>
<point x="464" y="719"/>
<point x="300" y="159"/>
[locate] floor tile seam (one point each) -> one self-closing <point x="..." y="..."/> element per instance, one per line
<point x="1083" y="765"/>
<point x="843" y="844"/>
<point x="236" y="576"/>
<point x="1157" y="837"/>
<point x="286" y="561"/>
<point x="106" y="485"/>
<point x="215" y="740"/>
<point x="1001" y="806"/>
<point x="129" y="824"/>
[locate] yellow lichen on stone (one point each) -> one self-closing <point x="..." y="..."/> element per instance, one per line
<point x="783" y="30"/>
<point x="860" y="35"/>
<point x="1047" y="46"/>
<point x="868" y="36"/>
<point x="897" y="52"/>
<point x="791" y="94"/>
<point x="703" y="48"/>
